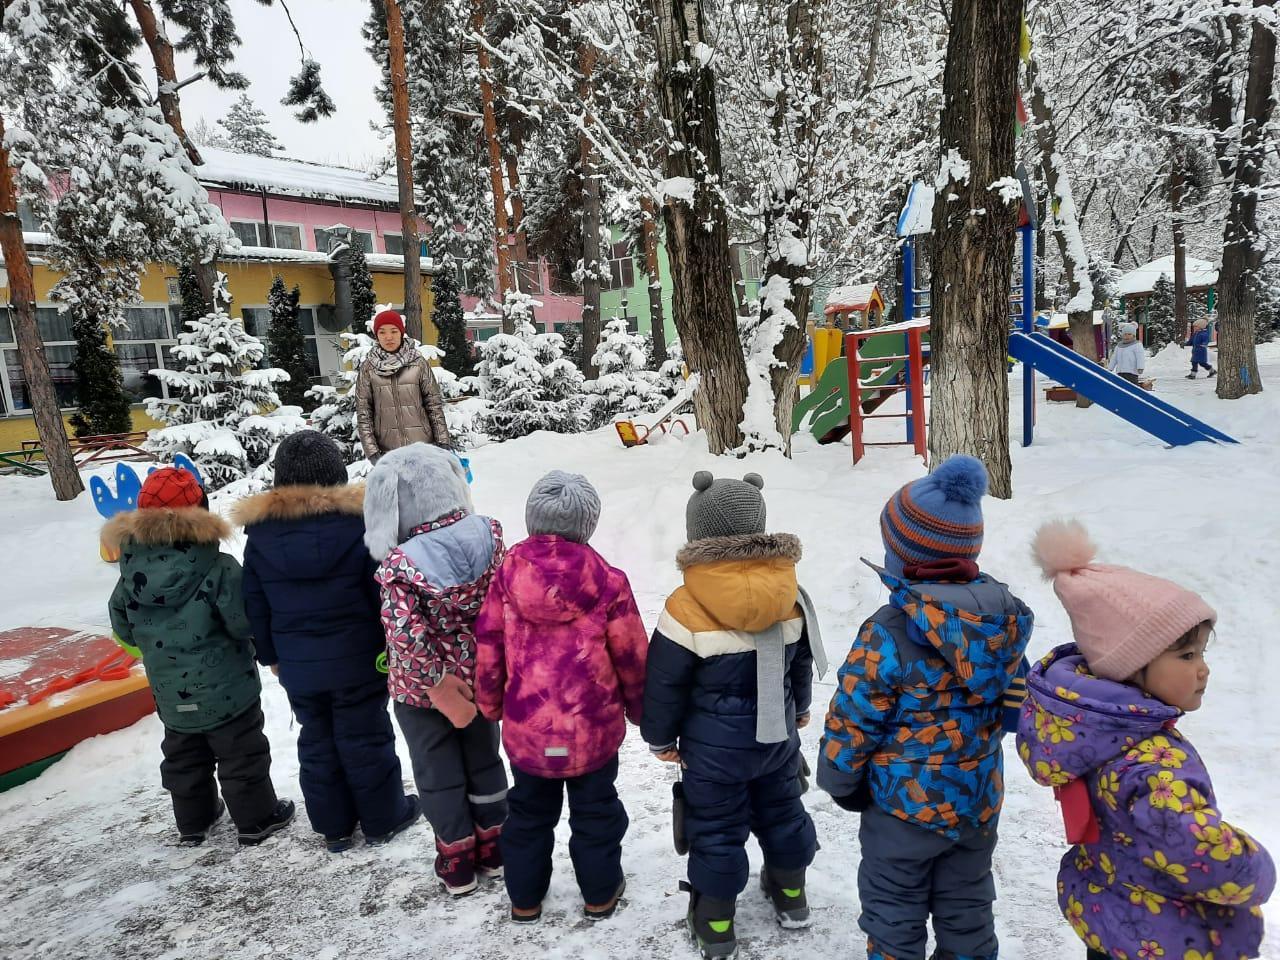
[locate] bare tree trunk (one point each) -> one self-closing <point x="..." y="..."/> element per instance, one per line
<point x="787" y="215"/>
<point x="1242" y="248"/>
<point x="1222" y="104"/>
<point x="502" y="282"/>
<point x="205" y="271"/>
<point x="591" y="321"/>
<point x="35" y="366"/>
<point x="698" y="232"/>
<point x="1177" y="180"/>
<point x="974" y="240"/>
<point x="1066" y="221"/>
<point x="657" y="322"/>
<point x="166" y="73"/>
<point x="404" y="171"/>
<point x="517" y="204"/>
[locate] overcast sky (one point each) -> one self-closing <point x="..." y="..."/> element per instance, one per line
<point x="268" y="56"/>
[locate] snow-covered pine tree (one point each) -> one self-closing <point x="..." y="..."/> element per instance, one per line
<point x="335" y="412"/>
<point x="671" y="374"/>
<point x="246" y="129"/>
<point x="526" y="379"/>
<point x="103" y="404"/>
<point x="286" y="344"/>
<point x="1266" y="318"/>
<point x="363" y="300"/>
<point x="624" y="387"/>
<point x="451" y="324"/>
<point x="571" y="334"/>
<point x="1159" y="321"/>
<point x="217" y="413"/>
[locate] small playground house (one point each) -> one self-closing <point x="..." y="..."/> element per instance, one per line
<point x="1137" y="286"/>
<point x="855" y="307"/>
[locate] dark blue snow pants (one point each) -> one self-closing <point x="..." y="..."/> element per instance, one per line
<point x="908" y="873"/>
<point x="347" y="754"/>
<point x="597" y="824"/>
<point x="719" y="815"/>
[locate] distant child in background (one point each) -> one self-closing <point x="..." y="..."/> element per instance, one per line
<point x="560" y="661"/>
<point x="178" y="606"/>
<point x="913" y="734"/>
<point x="1129" y="359"/>
<point x="311" y="597"/>
<point x="1156" y="872"/>
<point x="1199" y="344"/>
<point x="728" y="685"/>
<point x="437" y="557"/>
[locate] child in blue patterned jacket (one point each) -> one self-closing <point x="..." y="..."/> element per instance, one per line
<point x="912" y="738"/>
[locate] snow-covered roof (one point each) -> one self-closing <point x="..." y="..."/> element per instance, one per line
<point x="382" y="262"/>
<point x="853" y="297"/>
<point x="1200" y="273"/>
<point x="297" y="178"/>
<point x="1058" y="321"/>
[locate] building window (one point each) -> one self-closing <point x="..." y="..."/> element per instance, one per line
<point x="144" y="323"/>
<point x="394" y="242"/>
<point x="6" y="327"/>
<point x="27" y="218"/>
<point x="54" y="326"/>
<point x="287" y="236"/>
<point x="247" y="233"/>
<point x="752" y="268"/>
<point x="622" y="267"/>
<point x="528" y="276"/>
<point x="137" y="360"/>
<point x="362" y="237"/>
<point x="257" y="321"/>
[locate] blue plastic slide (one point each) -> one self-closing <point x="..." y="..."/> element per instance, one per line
<point x="1126" y="400"/>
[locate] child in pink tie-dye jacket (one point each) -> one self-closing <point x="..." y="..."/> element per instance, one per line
<point x="560" y="660"/>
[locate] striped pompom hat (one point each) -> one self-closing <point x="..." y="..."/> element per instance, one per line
<point x="937" y="517"/>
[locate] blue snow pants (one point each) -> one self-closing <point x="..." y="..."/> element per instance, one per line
<point x="347" y="754"/>
<point x="597" y="824"/>
<point x="720" y="813"/>
<point x="909" y="873"/>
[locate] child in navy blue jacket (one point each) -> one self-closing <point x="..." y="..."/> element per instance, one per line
<point x="729" y="682"/>
<point x="1199" y="344"/>
<point x="313" y="603"/>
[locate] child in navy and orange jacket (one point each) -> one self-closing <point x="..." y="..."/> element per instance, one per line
<point x="730" y="676"/>
<point x="311" y="597"/>
<point x="912" y="737"/>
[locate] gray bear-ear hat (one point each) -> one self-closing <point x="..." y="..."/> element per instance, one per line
<point x="724" y="508"/>
<point x="410" y="486"/>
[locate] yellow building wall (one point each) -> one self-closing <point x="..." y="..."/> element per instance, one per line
<point x="248" y="284"/>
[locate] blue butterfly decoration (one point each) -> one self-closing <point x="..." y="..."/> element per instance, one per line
<point x="129" y="485"/>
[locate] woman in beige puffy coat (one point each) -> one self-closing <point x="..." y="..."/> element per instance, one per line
<point x="397" y="397"/>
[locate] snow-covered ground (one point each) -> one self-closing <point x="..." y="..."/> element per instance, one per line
<point x="88" y="859"/>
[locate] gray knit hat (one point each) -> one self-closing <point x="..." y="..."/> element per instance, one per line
<point x="724" y="508"/>
<point x="309" y="457"/>
<point x="564" y="504"/>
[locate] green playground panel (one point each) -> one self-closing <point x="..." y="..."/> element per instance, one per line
<point x="829" y="398"/>
<point x="22" y="775"/>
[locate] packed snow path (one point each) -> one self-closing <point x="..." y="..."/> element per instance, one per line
<point x="88" y="854"/>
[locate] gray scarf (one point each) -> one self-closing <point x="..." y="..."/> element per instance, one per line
<point x="771" y="659"/>
<point x="387" y="363"/>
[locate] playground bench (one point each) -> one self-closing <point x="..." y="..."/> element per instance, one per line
<point x="85" y="450"/>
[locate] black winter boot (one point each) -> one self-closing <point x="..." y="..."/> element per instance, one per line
<point x="710" y="923"/>
<point x="785" y="888"/>
<point x="194" y="838"/>
<point x="278" y="820"/>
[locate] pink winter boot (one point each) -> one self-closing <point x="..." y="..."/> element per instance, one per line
<point x="456" y="865"/>
<point x="489" y="852"/>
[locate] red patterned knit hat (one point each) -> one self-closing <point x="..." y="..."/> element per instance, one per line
<point x="171" y="488"/>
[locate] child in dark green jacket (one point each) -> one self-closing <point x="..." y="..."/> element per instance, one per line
<point x="178" y="607"/>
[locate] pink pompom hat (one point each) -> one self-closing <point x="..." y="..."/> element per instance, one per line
<point x="1122" y="619"/>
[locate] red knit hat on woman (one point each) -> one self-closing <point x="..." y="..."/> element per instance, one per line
<point x="170" y="488"/>
<point x="388" y="318"/>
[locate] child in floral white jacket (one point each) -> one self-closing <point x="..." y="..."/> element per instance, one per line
<point x="436" y="560"/>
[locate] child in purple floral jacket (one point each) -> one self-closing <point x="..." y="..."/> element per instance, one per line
<point x="1156" y="872"/>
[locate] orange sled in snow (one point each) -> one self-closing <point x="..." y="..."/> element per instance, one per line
<point x="59" y="687"/>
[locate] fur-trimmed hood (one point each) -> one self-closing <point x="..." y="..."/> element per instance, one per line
<point x="296" y="502"/>
<point x="159" y="527"/>
<point x="747" y="546"/>
<point x="744" y="582"/>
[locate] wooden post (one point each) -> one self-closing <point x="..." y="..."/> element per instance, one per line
<point x="652" y="269"/>
<point x="503" y="280"/>
<point x="854" y="369"/>
<point x="404" y="172"/>
<point x="591" y="219"/>
<point x="517" y="206"/>
<point x="35" y="366"/>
